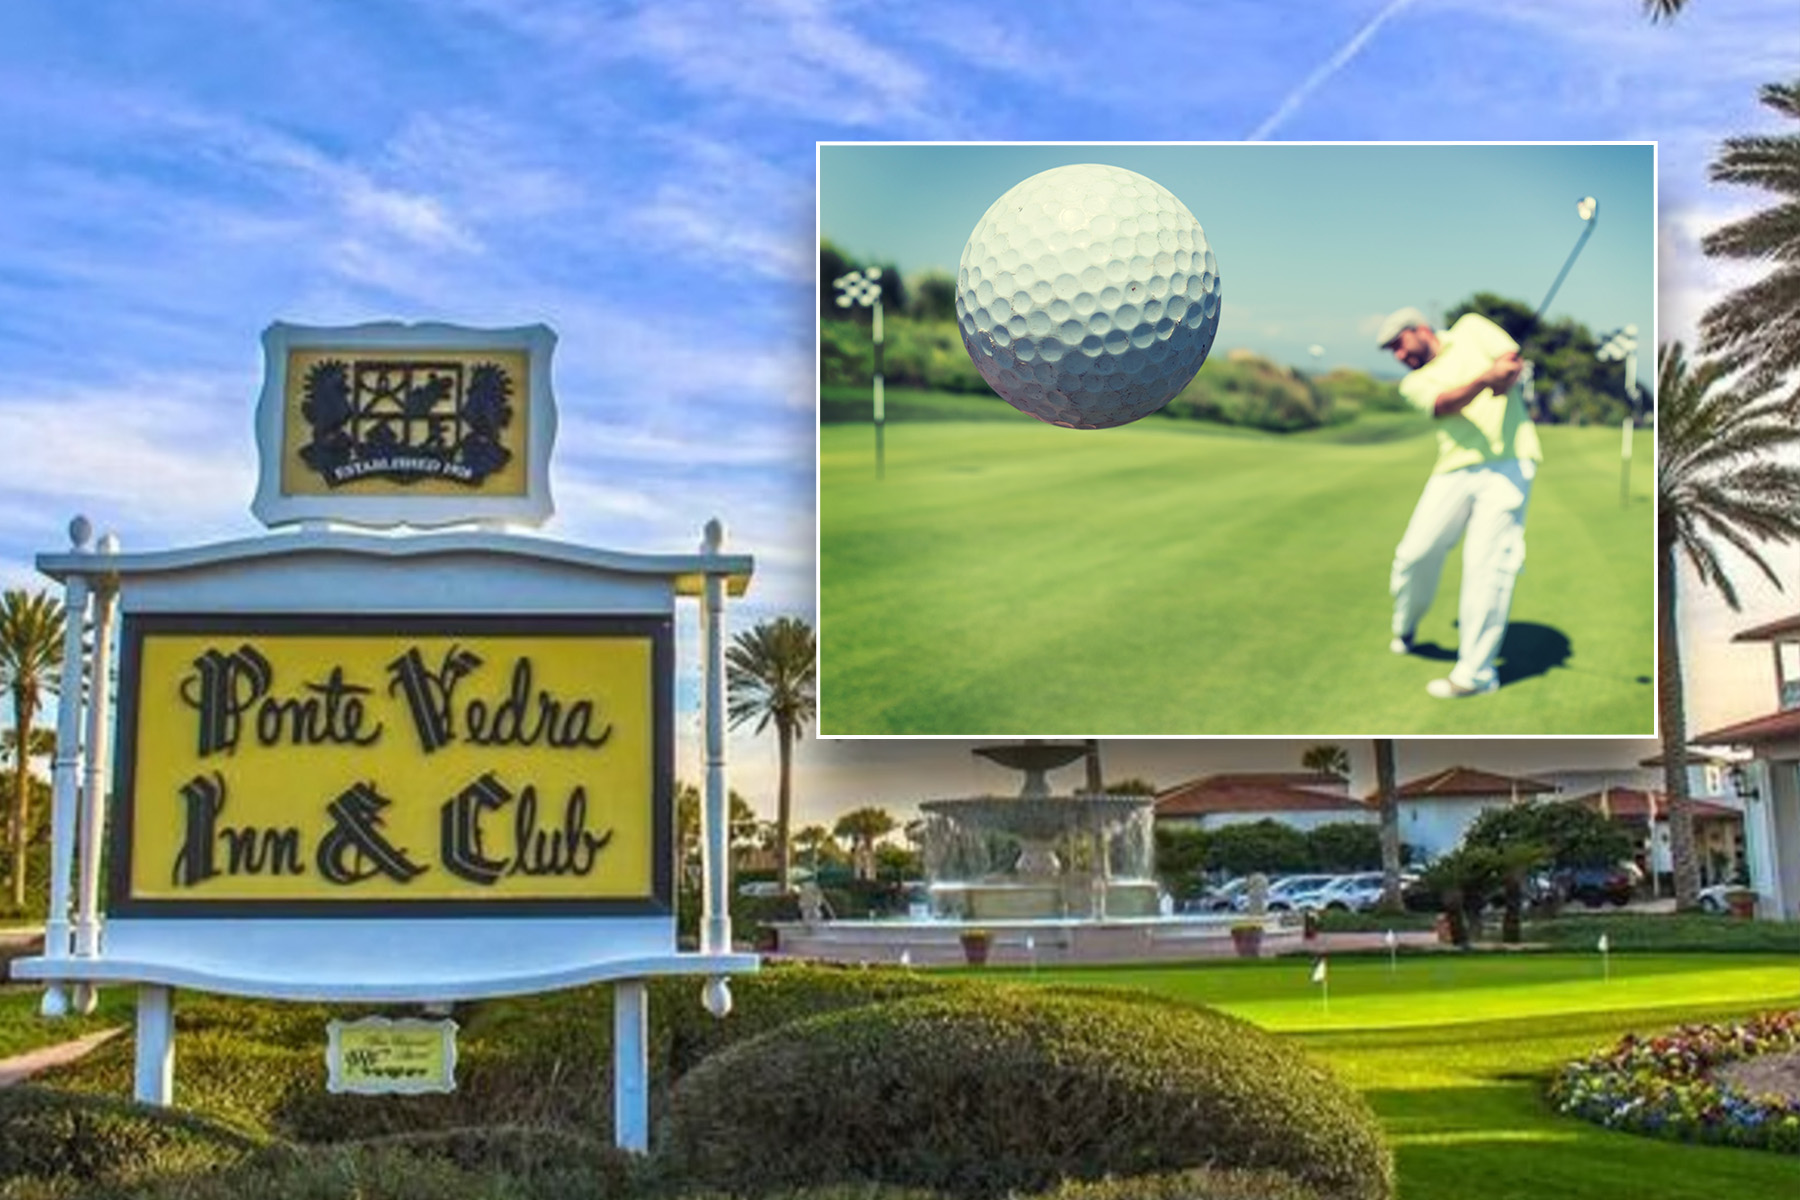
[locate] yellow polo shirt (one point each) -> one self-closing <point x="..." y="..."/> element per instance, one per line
<point x="1491" y="428"/>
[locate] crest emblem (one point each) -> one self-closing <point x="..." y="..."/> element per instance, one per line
<point x="390" y="424"/>
<point x="406" y="420"/>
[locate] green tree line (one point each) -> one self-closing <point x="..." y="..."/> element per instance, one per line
<point x="923" y="349"/>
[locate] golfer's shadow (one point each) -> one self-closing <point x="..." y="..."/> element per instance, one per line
<point x="1528" y="649"/>
<point x="1531" y="649"/>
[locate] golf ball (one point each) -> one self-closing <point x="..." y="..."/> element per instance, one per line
<point x="1087" y="296"/>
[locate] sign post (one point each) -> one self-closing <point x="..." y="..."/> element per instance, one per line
<point x="333" y="747"/>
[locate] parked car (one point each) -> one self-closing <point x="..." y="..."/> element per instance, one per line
<point x="1297" y="892"/>
<point x="1230" y="896"/>
<point x="1351" y="893"/>
<point x="1594" y="886"/>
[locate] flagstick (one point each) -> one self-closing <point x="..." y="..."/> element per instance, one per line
<point x="1393" y="949"/>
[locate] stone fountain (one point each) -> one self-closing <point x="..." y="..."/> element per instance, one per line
<point x="1037" y="855"/>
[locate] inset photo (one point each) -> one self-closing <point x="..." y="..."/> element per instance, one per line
<point x="1228" y="439"/>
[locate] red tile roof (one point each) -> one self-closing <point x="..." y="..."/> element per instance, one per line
<point x="1454" y="783"/>
<point x="1633" y="802"/>
<point x="1775" y="727"/>
<point x="1787" y="627"/>
<point x="1257" y="792"/>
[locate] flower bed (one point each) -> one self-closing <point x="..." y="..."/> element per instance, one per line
<point x="1667" y="1086"/>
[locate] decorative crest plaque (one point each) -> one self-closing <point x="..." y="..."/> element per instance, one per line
<point x="394" y="424"/>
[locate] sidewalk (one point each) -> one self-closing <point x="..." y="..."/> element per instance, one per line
<point x="20" y="1067"/>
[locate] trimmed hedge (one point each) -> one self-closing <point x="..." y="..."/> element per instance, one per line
<point x="1198" y="1184"/>
<point x="538" y="1060"/>
<point x="497" y="1163"/>
<point x="778" y="995"/>
<point x="51" y="1142"/>
<point x="1008" y="1089"/>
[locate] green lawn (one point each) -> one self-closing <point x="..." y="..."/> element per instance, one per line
<point x="22" y="1029"/>
<point x="1454" y="1053"/>
<point x="1168" y="578"/>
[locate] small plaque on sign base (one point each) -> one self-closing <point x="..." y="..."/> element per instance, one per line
<point x="376" y="1055"/>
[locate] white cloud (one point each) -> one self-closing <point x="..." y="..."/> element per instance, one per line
<point x="153" y="449"/>
<point x="792" y="54"/>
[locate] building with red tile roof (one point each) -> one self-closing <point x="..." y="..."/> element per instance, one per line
<point x="1302" y="799"/>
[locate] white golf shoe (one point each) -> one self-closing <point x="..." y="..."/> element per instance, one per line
<point x="1449" y="689"/>
<point x="1402" y="643"/>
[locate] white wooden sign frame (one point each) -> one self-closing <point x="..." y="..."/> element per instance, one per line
<point x="368" y="958"/>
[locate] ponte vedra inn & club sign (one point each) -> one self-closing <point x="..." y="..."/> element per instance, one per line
<point x="447" y="764"/>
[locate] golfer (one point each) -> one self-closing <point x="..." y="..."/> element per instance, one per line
<point x="1487" y="455"/>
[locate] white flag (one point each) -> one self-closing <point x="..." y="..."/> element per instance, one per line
<point x="1318" y="975"/>
<point x="1604" y="944"/>
<point x="1389" y="940"/>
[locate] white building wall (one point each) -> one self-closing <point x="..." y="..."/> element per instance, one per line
<point x="1435" y="827"/>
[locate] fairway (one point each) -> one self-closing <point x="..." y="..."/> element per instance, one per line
<point x="1454" y="1053"/>
<point x="1168" y="577"/>
<point x="1440" y="989"/>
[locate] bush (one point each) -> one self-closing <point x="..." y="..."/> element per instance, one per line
<point x="780" y="994"/>
<point x="60" y="1138"/>
<point x="1249" y="390"/>
<point x="536" y="1060"/>
<point x="1005" y="1089"/>
<point x="503" y="1163"/>
<point x="1198" y="1184"/>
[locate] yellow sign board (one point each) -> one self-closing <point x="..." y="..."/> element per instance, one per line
<point x="377" y="1055"/>
<point x="361" y="764"/>
<point x="405" y="422"/>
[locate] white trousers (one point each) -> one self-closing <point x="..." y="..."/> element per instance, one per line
<point x="1487" y="504"/>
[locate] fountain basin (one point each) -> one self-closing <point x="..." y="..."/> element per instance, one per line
<point x="1023" y="943"/>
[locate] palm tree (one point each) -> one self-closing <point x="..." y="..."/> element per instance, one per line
<point x="1718" y="482"/>
<point x="1758" y="326"/>
<point x="1664" y="9"/>
<point x="1388" y="803"/>
<point x="31" y="651"/>
<point x="862" y="828"/>
<point x="769" y="677"/>
<point x="813" y="841"/>
<point x="1326" y="760"/>
<point x="41" y="744"/>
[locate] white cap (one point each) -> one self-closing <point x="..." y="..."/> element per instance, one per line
<point x="1397" y="321"/>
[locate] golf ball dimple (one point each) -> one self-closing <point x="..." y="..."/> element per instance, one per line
<point x="1087" y="296"/>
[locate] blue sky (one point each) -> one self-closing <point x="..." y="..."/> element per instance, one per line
<point x="1315" y="243"/>
<point x="641" y="177"/>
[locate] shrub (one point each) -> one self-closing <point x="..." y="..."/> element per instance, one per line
<point x="63" y="1138"/>
<point x="779" y="994"/>
<point x="987" y="1091"/>
<point x="538" y="1060"/>
<point x="1197" y="1184"/>
<point x="469" y="1164"/>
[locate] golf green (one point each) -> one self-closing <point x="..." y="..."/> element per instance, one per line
<point x="1454" y="1054"/>
<point x="1008" y="577"/>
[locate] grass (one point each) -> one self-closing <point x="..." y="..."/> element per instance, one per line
<point x="1173" y="578"/>
<point x="22" y="1029"/>
<point x="1454" y="1052"/>
<point x="1442" y="990"/>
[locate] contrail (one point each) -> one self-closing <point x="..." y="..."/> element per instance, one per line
<point x="1330" y="67"/>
